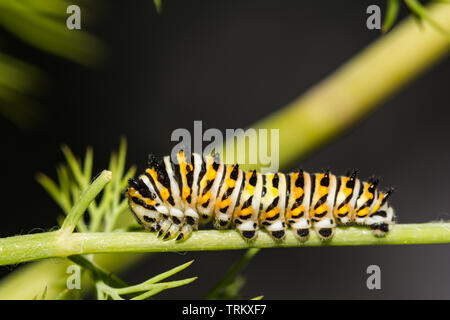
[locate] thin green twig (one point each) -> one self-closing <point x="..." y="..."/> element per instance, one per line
<point x="393" y="7"/>
<point x="149" y="288"/>
<point x="86" y="198"/>
<point x="99" y="272"/>
<point x="232" y="273"/>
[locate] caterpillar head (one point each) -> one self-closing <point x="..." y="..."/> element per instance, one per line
<point x="142" y="204"/>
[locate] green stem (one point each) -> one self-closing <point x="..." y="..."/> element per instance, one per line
<point x="86" y="198"/>
<point x="54" y="244"/>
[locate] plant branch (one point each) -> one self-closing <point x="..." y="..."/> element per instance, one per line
<point x="46" y="245"/>
<point x="99" y="272"/>
<point x="356" y="88"/>
<point x="86" y="198"/>
<point x="151" y="286"/>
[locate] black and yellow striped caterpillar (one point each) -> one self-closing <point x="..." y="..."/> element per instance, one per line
<point x="173" y="198"/>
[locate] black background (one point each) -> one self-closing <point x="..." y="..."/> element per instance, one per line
<point x="229" y="63"/>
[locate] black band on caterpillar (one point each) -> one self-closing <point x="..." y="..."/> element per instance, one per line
<point x="173" y="198"/>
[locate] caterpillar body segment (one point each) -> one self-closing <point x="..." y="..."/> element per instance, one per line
<point x="348" y="192"/>
<point x="382" y="216"/>
<point x="297" y="210"/>
<point x="273" y="204"/>
<point x="173" y="198"/>
<point x="322" y="203"/>
<point x="227" y="196"/>
<point x="209" y="187"/>
<point x="246" y="214"/>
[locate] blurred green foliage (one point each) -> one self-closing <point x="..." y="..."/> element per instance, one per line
<point x="18" y="82"/>
<point x="40" y="24"/>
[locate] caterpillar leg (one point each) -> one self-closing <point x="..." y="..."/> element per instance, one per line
<point x="247" y="229"/>
<point x="185" y="232"/>
<point x="172" y="232"/>
<point x="182" y="224"/>
<point x="164" y="225"/>
<point x="164" y="222"/>
<point x="221" y="221"/>
<point x="277" y="230"/>
<point x="301" y="228"/>
<point x="381" y="221"/>
<point x="176" y="220"/>
<point x="325" y="228"/>
<point x="190" y="224"/>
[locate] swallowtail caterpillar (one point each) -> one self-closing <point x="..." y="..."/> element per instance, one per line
<point x="174" y="198"/>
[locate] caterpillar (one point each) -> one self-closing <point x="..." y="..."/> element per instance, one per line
<point x="174" y="197"/>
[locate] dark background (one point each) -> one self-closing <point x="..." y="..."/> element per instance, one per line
<point x="201" y="58"/>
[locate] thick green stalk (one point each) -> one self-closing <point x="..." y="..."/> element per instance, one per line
<point x="357" y="87"/>
<point x="54" y="244"/>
